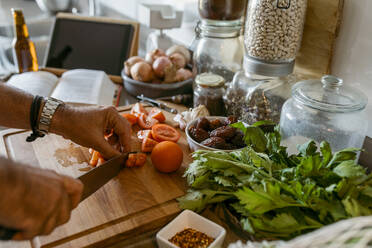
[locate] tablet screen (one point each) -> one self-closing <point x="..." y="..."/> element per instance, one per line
<point x="89" y="45"/>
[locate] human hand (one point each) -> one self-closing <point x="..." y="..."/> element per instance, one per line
<point x="35" y="201"/>
<point x="87" y="126"/>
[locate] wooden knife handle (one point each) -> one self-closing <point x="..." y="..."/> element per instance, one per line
<point x="6" y="233"/>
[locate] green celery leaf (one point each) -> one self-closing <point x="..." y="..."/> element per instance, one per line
<point x="225" y="181"/>
<point x="255" y="138"/>
<point x="326" y="150"/>
<point x="307" y="149"/>
<point x="343" y="155"/>
<point x="349" y="169"/>
<point x="354" y="208"/>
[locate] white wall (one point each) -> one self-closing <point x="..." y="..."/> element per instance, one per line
<point x="353" y="55"/>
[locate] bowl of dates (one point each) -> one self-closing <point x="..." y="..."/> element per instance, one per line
<point x="214" y="133"/>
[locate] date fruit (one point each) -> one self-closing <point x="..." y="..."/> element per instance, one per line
<point x="215" y="142"/>
<point x="199" y="134"/>
<point x="203" y="123"/>
<point x="225" y="132"/>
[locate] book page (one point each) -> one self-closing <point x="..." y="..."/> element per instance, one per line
<point x="85" y="86"/>
<point x="37" y="83"/>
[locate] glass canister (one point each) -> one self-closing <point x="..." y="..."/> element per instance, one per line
<point x="324" y="110"/>
<point x="225" y="10"/>
<point x="219" y="49"/>
<point x="273" y="32"/>
<point x="209" y="90"/>
<point x="253" y="97"/>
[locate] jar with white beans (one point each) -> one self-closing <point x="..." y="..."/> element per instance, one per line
<point x="274" y="32"/>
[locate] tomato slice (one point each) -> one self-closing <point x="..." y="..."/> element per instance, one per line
<point x="138" y="109"/>
<point x="132" y="119"/>
<point x="157" y="114"/>
<point x="146" y="122"/>
<point x="143" y="134"/>
<point x="148" y="144"/>
<point x="164" y="132"/>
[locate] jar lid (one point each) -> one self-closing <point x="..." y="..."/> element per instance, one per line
<point x="209" y="80"/>
<point x="329" y="94"/>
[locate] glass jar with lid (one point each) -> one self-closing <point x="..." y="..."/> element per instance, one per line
<point x="254" y="97"/>
<point x="273" y="31"/>
<point x="324" y="110"/>
<point x="219" y="48"/>
<point x="209" y="90"/>
<point x="223" y="10"/>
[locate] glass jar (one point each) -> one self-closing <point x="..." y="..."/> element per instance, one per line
<point x="324" y="110"/>
<point x="222" y="9"/>
<point x="253" y="97"/>
<point x="273" y="31"/>
<point x="219" y="49"/>
<point x="209" y="91"/>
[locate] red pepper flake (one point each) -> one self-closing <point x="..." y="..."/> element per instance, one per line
<point x="191" y="238"/>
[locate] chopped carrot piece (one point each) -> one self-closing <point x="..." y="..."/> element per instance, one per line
<point x="141" y="159"/>
<point x="94" y="159"/>
<point x="131" y="161"/>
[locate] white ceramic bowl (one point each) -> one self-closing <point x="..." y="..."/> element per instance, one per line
<point x="189" y="219"/>
<point x="194" y="146"/>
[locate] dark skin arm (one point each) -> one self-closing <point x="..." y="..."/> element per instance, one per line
<point x="33" y="200"/>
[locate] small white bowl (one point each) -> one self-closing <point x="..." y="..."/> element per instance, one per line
<point x="189" y="219"/>
<point x="194" y="146"/>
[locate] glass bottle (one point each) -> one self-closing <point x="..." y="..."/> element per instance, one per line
<point x="24" y="51"/>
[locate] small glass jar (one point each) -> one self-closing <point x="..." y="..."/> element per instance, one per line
<point x="324" y="110"/>
<point x="209" y="90"/>
<point x="253" y="97"/>
<point x="219" y="49"/>
<point x="273" y="31"/>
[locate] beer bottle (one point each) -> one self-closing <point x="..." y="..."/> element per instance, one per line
<point x="24" y="51"/>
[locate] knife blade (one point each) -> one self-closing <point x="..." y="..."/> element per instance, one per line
<point x="92" y="180"/>
<point x="157" y="104"/>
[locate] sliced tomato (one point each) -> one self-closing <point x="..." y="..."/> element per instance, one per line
<point x="132" y="119"/>
<point x="148" y="144"/>
<point x="138" y="109"/>
<point x="143" y="134"/>
<point x="141" y="159"/>
<point x="131" y="161"/>
<point x="157" y="114"/>
<point x="164" y="132"/>
<point x="146" y="122"/>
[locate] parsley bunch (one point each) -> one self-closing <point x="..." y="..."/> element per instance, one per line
<point x="276" y="195"/>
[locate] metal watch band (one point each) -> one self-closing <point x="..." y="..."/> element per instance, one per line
<point x="50" y="106"/>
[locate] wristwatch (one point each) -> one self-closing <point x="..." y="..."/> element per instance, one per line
<point x="50" y="107"/>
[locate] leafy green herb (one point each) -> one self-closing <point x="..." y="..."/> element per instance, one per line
<point x="276" y="195"/>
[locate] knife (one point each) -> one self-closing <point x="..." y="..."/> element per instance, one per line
<point x="93" y="180"/>
<point x="157" y="104"/>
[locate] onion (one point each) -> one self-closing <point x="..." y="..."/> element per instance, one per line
<point x="179" y="49"/>
<point x="170" y="74"/>
<point x="142" y="71"/>
<point x="153" y="55"/>
<point x="183" y="74"/>
<point x="178" y="60"/>
<point x="131" y="62"/>
<point x="159" y="66"/>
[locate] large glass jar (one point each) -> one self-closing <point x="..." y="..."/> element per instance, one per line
<point x="219" y="49"/>
<point x="222" y="9"/>
<point x="273" y="31"/>
<point x="253" y="97"/>
<point x="324" y="110"/>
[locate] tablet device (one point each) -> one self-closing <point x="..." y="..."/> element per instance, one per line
<point x="90" y="43"/>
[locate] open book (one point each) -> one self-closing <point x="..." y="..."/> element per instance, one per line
<point x="74" y="86"/>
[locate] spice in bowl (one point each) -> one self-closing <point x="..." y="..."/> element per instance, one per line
<point x="191" y="238"/>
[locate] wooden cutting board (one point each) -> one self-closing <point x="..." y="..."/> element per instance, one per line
<point x="138" y="200"/>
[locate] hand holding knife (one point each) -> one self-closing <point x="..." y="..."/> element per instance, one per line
<point x="93" y="180"/>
